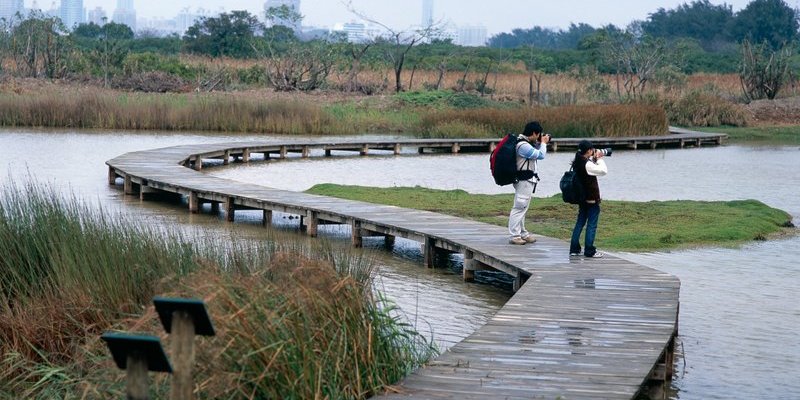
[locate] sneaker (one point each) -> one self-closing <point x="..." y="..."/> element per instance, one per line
<point x="596" y="255"/>
<point x="529" y="239"/>
<point x="574" y="254"/>
<point x="517" y="240"/>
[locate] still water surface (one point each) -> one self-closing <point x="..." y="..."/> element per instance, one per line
<point x="739" y="315"/>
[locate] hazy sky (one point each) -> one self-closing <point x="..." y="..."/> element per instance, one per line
<point x="496" y="15"/>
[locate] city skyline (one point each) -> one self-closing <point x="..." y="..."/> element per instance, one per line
<point x="505" y="15"/>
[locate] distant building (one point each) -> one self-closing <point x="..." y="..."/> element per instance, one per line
<point x="159" y="27"/>
<point x="291" y="4"/>
<point x="186" y="18"/>
<point x="474" y="36"/>
<point x="125" y="14"/>
<point x="356" y="32"/>
<point x="9" y="9"/>
<point x="427" y="13"/>
<point x="98" y="16"/>
<point x="72" y="13"/>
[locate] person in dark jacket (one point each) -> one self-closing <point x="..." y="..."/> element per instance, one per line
<point x="588" y="164"/>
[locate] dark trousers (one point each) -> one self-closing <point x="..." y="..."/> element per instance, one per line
<point x="588" y="214"/>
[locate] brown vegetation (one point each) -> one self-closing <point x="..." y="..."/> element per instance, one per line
<point x="568" y="121"/>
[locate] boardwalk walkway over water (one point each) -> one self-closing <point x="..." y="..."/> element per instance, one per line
<point x="575" y="328"/>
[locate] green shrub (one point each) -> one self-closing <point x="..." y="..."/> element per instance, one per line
<point x="152" y="62"/>
<point x="698" y="108"/>
<point x="442" y="99"/>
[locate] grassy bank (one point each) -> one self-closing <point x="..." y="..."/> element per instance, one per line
<point x="624" y="225"/>
<point x="770" y="135"/>
<point x="292" y="320"/>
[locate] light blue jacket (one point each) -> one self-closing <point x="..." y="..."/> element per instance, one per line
<point x="527" y="151"/>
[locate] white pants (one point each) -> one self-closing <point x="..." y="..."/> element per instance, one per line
<point x="523" y="191"/>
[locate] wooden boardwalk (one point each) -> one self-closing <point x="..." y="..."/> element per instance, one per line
<point x="576" y="328"/>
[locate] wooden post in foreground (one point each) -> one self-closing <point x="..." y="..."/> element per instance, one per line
<point x="183" y="319"/>
<point x="137" y="355"/>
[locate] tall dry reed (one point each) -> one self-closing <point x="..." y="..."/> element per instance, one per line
<point x="568" y="121"/>
<point x="100" y="109"/>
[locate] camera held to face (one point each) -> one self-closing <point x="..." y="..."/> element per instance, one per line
<point x="604" y="152"/>
<point x="545" y="135"/>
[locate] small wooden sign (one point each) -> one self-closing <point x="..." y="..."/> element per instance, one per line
<point x="166" y="307"/>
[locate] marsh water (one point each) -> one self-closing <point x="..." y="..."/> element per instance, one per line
<point x="739" y="314"/>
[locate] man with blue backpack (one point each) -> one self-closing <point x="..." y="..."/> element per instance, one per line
<point x="531" y="146"/>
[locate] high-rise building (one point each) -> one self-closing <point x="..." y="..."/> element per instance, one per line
<point x="98" y="16"/>
<point x="427" y="13"/>
<point x="72" y="13"/>
<point x="291" y="4"/>
<point x="125" y="14"/>
<point x="9" y="9"/>
<point x="474" y="36"/>
<point x="186" y="18"/>
<point x="356" y="31"/>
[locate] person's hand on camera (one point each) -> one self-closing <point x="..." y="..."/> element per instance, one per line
<point x="598" y="154"/>
<point x="545" y="138"/>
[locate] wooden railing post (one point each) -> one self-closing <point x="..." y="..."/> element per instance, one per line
<point x="112" y="176"/>
<point x="428" y="252"/>
<point x="355" y="234"/>
<point x="469" y="266"/>
<point x="266" y="219"/>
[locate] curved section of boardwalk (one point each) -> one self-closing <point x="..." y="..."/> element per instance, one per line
<point x="575" y="328"/>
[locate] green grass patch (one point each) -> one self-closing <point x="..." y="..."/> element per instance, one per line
<point x="773" y="135"/>
<point x="624" y="225"/>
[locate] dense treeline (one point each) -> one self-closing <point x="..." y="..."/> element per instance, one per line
<point x="715" y="27"/>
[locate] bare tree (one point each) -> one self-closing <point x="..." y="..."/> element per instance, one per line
<point x="300" y="66"/>
<point x="398" y="43"/>
<point x="356" y="52"/>
<point x="764" y="71"/>
<point x="637" y="59"/>
<point x="39" y="46"/>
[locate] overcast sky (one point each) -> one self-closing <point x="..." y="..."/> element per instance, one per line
<point x="496" y="15"/>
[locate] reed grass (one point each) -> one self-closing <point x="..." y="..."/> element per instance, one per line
<point x="101" y="109"/>
<point x="292" y="320"/>
<point x="568" y="121"/>
<point x="243" y="112"/>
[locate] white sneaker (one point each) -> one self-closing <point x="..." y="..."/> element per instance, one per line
<point x="596" y="255"/>
<point x="517" y="240"/>
<point x="574" y="254"/>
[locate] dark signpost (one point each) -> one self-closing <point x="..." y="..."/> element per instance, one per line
<point x="137" y="354"/>
<point x="183" y="319"/>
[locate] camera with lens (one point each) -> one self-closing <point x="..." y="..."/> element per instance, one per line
<point x="543" y="135"/>
<point x="605" y="152"/>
